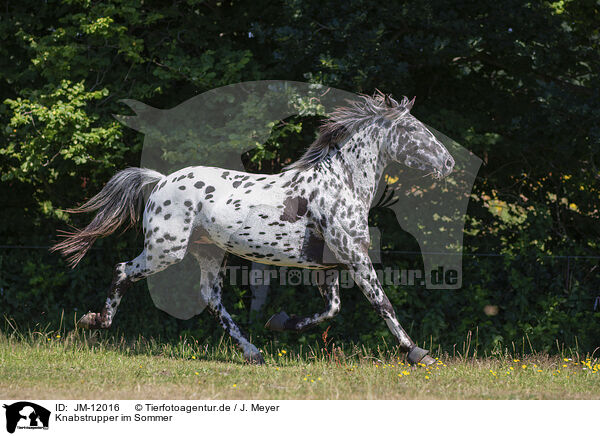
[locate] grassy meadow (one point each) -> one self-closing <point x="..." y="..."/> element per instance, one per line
<point x="81" y="365"/>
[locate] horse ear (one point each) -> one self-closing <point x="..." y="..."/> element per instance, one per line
<point x="410" y="104"/>
<point x="390" y="102"/>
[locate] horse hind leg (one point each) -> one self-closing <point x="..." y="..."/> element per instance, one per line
<point x="330" y="291"/>
<point x="124" y="275"/>
<point x="212" y="263"/>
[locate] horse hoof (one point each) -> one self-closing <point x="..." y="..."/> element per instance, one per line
<point x="87" y="321"/>
<point x="419" y="355"/>
<point x="255" y="359"/>
<point x="277" y="322"/>
<point x="427" y="360"/>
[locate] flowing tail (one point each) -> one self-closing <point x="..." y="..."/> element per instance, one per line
<point x="119" y="200"/>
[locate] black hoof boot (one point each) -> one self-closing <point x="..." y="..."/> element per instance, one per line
<point x="419" y="355"/>
<point x="277" y="322"/>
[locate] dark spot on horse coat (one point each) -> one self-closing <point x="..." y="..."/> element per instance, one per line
<point x="198" y="185"/>
<point x="237" y="184"/>
<point x="315" y="250"/>
<point x="295" y="208"/>
<point x="210" y="189"/>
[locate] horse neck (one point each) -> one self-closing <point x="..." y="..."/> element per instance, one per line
<point x="361" y="160"/>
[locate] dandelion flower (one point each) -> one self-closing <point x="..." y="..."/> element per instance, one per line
<point x="284" y="352"/>
<point x="235" y="385"/>
<point x="193" y="357"/>
<point x="197" y="373"/>
<point x="426" y="377"/>
<point x="524" y="366"/>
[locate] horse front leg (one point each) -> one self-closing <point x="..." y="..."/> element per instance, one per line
<point x="354" y="254"/>
<point x="330" y="291"/>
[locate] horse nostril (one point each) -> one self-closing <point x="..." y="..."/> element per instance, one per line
<point x="449" y="163"/>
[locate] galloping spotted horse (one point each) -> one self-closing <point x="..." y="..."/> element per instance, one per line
<point x="317" y="205"/>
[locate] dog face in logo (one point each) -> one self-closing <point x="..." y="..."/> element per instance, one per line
<point x="27" y="414"/>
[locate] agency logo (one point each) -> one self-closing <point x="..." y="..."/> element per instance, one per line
<point x="26" y="415"/>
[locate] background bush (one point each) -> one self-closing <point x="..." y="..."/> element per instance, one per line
<point x="515" y="82"/>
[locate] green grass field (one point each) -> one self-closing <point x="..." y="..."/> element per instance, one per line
<point x="85" y="366"/>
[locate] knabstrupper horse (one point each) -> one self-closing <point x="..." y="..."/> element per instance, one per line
<point x="317" y="205"/>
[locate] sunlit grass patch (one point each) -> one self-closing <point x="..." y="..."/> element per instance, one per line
<point x="76" y="364"/>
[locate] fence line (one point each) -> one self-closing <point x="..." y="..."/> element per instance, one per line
<point x="412" y="253"/>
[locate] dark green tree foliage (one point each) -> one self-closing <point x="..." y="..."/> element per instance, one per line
<point x="515" y="82"/>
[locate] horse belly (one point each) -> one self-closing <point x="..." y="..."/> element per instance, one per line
<point x="271" y="243"/>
